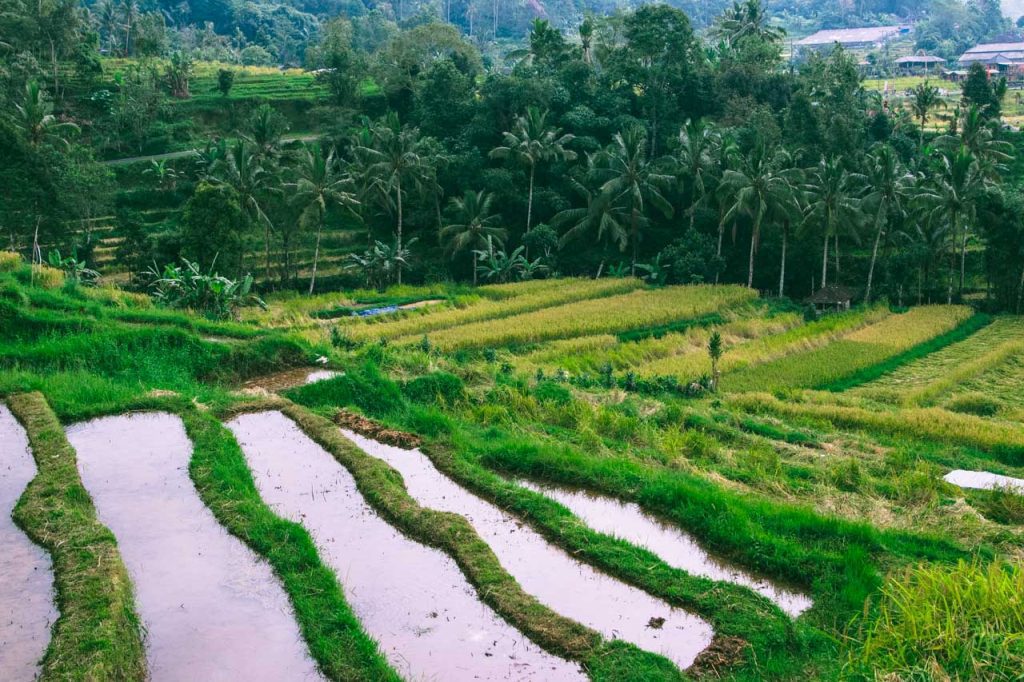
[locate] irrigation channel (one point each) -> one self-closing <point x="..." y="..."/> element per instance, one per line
<point x="627" y="521"/>
<point x="26" y="574"/>
<point x="211" y="609"/>
<point x="570" y="587"/>
<point x="411" y="598"/>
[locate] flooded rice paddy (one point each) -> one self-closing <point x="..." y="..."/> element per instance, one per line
<point x="212" y="610"/>
<point x="26" y="575"/>
<point x="983" y="480"/>
<point x="572" y="588"/>
<point x="411" y="598"/>
<point x="289" y="378"/>
<point x="627" y="521"/>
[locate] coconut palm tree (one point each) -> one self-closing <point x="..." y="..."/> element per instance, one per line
<point x="35" y="120"/>
<point x="629" y="179"/>
<point x="532" y="142"/>
<point x="980" y="135"/>
<point x="889" y="186"/>
<point x="240" y="169"/>
<point x="761" y="186"/>
<point x="396" y="159"/>
<point x="609" y="221"/>
<point x="475" y="225"/>
<point x="696" y="158"/>
<point x="924" y="98"/>
<point x="953" y="195"/>
<point x="319" y="185"/>
<point x="746" y="20"/>
<point x="130" y="14"/>
<point x="265" y="130"/>
<point x="833" y="206"/>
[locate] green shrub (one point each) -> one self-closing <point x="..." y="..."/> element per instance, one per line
<point x="364" y="387"/>
<point x="1000" y="505"/>
<point x="438" y="387"/>
<point x="553" y="393"/>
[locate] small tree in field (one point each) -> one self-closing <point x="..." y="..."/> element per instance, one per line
<point x="715" y="353"/>
<point x="225" y="81"/>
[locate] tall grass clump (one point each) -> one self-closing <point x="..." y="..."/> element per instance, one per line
<point x="964" y="622"/>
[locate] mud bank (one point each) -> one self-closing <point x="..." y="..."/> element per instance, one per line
<point x="573" y="589"/>
<point x="411" y="598"/>
<point x="211" y="609"/>
<point x="627" y="521"/>
<point x="26" y="574"/>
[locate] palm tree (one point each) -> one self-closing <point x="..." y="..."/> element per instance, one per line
<point x="396" y="157"/>
<point x="925" y="97"/>
<point x="953" y="196"/>
<point x="746" y="20"/>
<point x="130" y="13"/>
<point x="319" y="185"/>
<point x="36" y="121"/>
<point x="598" y="214"/>
<point x="833" y="205"/>
<point x="107" y="21"/>
<point x="265" y="130"/>
<point x="761" y="186"/>
<point x="629" y="179"/>
<point x="980" y="135"/>
<point x="531" y="142"/>
<point x="241" y="169"/>
<point x="474" y="226"/>
<point x="696" y="159"/>
<point x="889" y="184"/>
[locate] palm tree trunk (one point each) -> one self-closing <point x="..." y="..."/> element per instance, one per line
<point x="824" y="263"/>
<point x="634" y="230"/>
<point x="266" y="242"/>
<point x="874" y="252"/>
<point x="398" y="234"/>
<point x="782" y="268"/>
<point x="474" y="267"/>
<point x="963" y="260"/>
<point x="835" y="241"/>
<point x="718" y="253"/>
<point x="316" y="256"/>
<point x="1020" y="291"/>
<point x="529" y="202"/>
<point x="753" y="247"/>
<point x="600" y="269"/>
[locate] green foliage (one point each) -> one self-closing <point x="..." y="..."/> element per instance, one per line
<point x="964" y="622"/>
<point x="210" y="294"/>
<point x="441" y="388"/>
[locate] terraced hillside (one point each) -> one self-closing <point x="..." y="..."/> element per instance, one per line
<point x="524" y="481"/>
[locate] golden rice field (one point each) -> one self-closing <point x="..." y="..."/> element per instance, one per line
<point x="614" y="314"/>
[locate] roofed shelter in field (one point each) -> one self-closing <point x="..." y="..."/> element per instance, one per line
<point x="920" y="63"/>
<point x="833" y="298"/>
<point x="851" y="38"/>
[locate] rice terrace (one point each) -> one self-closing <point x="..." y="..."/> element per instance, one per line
<point x="359" y="341"/>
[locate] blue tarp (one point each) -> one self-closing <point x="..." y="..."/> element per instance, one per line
<point x="370" y="312"/>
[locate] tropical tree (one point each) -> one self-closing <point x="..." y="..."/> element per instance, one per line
<point x="130" y="15"/>
<point x="760" y="186"/>
<point x="264" y="132"/>
<point x="889" y="186"/>
<point x="320" y="184"/>
<point x="833" y="205"/>
<point x="628" y="179"/>
<point x="240" y="169"/>
<point x="979" y="134"/>
<point x="474" y="225"/>
<point x="746" y="20"/>
<point x="696" y="159"/>
<point x="381" y="263"/>
<point x="608" y="220"/>
<point x="165" y="176"/>
<point x="532" y="142"/>
<point x="35" y="120"/>
<point x="395" y="158"/>
<point x="924" y="98"/>
<point x="953" y="195"/>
